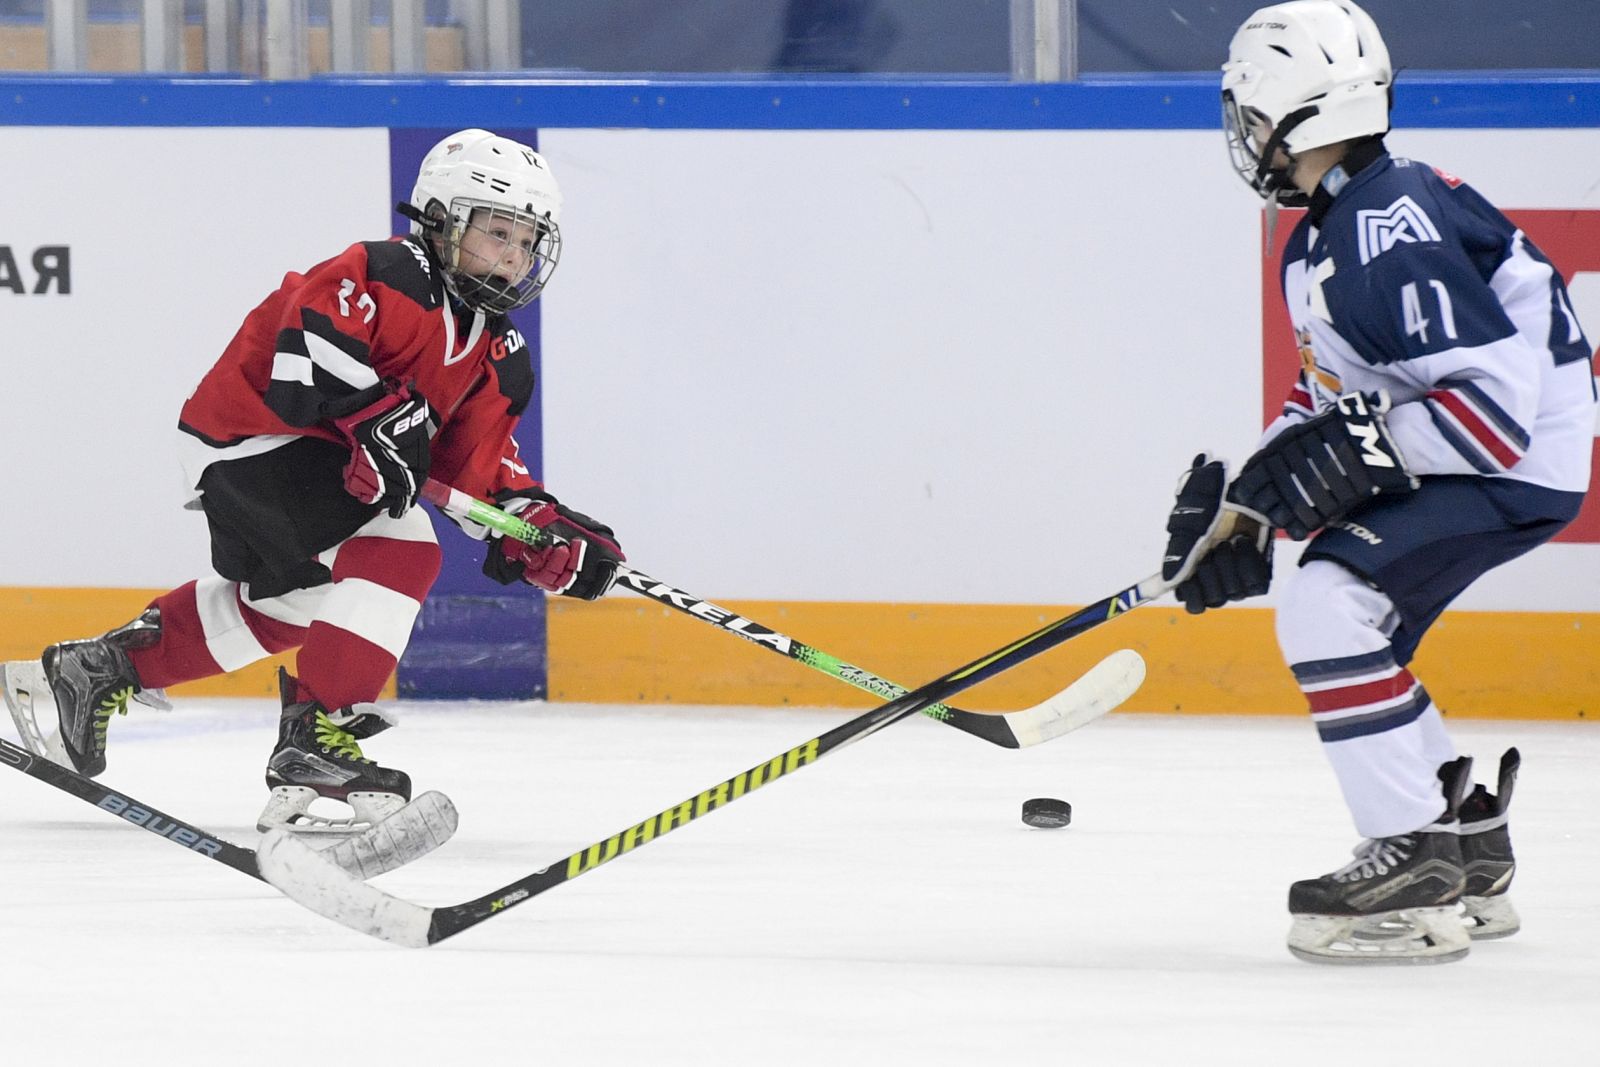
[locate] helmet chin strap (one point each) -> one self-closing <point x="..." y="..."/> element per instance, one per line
<point x="421" y="218"/>
<point x="1276" y="183"/>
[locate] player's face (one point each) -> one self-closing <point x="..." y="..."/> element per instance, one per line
<point x="495" y="245"/>
<point x="1258" y="129"/>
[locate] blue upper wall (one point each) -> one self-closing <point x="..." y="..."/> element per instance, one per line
<point x="964" y="37"/>
<point x="974" y="36"/>
<point x="1528" y="99"/>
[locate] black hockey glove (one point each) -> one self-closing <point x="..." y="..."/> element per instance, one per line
<point x="584" y="566"/>
<point x="1312" y="474"/>
<point x="1236" y="569"/>
<point x="389" y="447"/>
<point x="1194" y="517"/>
<point x="1216" y="551"/>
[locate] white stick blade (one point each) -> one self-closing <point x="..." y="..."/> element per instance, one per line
<point x="407" y="835"/>
<point x="1106" y="685"/>
<point x="305" y="877"/>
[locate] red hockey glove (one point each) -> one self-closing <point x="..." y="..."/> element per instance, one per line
<point x="584" y="567"/>
<point x="389" y="454"/>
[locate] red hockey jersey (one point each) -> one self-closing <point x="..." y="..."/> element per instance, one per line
<point x="377" y="311"/>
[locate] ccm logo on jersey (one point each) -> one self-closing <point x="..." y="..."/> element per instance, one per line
<point x="52" y="265"/>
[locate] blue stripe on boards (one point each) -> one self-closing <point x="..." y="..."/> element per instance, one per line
<point x="1548" y="99"/>
<point x="474" y="638"/>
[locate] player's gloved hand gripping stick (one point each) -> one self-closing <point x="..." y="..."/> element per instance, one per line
<point x="1018" y="729"/>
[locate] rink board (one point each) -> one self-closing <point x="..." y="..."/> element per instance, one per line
<point x="625" y="649"/>
<point x="901" y="362"/>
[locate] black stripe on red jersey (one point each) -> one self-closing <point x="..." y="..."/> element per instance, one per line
<point x="512" y="366"/>
<point x="317" y="370"/>
<point x="405" y="267"/>
<point x="212" y="441"/>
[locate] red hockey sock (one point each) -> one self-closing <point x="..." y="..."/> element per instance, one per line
<point x="365" y="621"/>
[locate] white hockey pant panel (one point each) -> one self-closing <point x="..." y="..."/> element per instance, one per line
<point x="1390" y="778"/>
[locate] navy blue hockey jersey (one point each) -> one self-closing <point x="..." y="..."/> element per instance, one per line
<point x="1415" y="284"/>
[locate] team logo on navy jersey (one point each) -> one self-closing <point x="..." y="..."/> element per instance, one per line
<point x="1316" y="374"/>
<point x="1402" y="222"/>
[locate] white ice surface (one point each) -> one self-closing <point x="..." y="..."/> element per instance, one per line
<point x="884" y="906"/>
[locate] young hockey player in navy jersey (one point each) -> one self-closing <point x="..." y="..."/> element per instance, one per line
<point x="308" y="445"/>
<point x="1441" y="425"/>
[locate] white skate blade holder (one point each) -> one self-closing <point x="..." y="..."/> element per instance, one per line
<point x="29" y="699"/>
<point x="1410" y="936"/>
<point x="1488" y="918"/>
<point x="289" y="808"/>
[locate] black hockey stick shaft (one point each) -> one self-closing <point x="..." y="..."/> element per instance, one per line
<point x="450" y="920"/>
<point x="140" y="814"/>
<point x="992" y="728"/>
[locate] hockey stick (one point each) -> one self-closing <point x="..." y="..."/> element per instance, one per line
<point x="136" y="812"/>
<point x="1016" y="729"/>
<point x="297" y="870"/>
<point x="409" y="834"/>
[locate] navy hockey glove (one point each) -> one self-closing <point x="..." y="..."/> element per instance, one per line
<point x="1194" y="517"/>
<point x="584" y="566"/>
<point x="1312" y="474"/>
<point x="1235" y="569"/>
<point x="1216" y="552"/>
<point x="389" y="449"/>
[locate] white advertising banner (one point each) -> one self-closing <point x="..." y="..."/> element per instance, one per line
<point x="168" y="238"/>
<point x="960" y="367"/>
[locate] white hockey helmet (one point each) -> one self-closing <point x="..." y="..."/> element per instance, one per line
<point x="475" y="180"/>
<point x="1301" y="75"/>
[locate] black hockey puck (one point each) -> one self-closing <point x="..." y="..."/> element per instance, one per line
<point x="1046" y="813"/>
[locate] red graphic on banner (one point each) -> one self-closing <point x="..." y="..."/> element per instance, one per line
<point x="1570" y="238"/>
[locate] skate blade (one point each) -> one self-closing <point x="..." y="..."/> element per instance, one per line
<point x="288" y="808"/>
<point x="1409" y="936"/>
<point x="27" y="694"/>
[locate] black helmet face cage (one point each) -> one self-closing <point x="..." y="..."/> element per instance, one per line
<point x="498" y="259"/>
<point x="1255" y="165"/>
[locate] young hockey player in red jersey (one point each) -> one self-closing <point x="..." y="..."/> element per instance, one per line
<point x="1441" y="425"/>
<point x="308" y="444"/>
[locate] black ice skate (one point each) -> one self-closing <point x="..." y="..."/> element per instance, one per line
<point x="318" y="756"/>
<point x="1486" y="853"/>
<point x="1397" y="901"/>
<point x="62" y="702"/>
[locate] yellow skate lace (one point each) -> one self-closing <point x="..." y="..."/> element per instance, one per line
<point x="115" y="703"/>
<point x="336" y="741"/>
